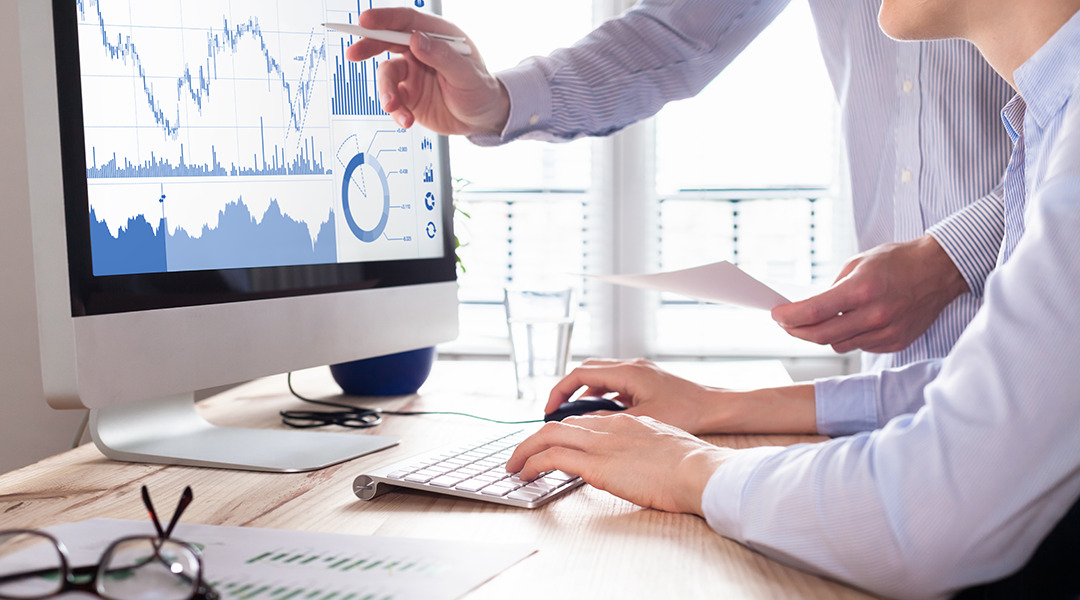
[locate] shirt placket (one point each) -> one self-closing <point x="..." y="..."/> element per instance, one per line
<point x="907" y="213"/>
<point x="1015" y="192"/>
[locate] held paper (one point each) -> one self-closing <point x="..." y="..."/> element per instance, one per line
<point x="720" y="282"/>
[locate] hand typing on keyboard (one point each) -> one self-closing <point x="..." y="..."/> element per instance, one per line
<point x="473" y="470"/>
<point x="638" y="459"/>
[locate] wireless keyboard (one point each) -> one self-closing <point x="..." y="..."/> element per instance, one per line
<point x="474" y="470"/>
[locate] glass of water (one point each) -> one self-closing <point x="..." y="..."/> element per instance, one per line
<point x="540" y="321"/>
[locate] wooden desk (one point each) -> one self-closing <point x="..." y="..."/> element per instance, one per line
<point x="591" y="544"/>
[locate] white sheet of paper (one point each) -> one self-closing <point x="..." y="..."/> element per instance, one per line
<point x="720" y="282"/>
<point x="257" y="564"/>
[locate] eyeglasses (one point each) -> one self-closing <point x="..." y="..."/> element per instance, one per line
<point x="34" y="564"/>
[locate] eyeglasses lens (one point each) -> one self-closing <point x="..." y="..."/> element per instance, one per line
<point x="31" y="565"/>
<point x="148" y="569"/>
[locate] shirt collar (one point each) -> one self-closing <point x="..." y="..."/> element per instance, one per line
<point x="1047" y="79"/>
<point x="1013" y="117"/>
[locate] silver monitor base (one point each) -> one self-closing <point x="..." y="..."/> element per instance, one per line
<point x="170" y="431"/>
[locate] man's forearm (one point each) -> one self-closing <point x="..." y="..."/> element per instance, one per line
<point x="785" y="409"/>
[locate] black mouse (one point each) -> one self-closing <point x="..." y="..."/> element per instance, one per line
<point x="583" y="405"/>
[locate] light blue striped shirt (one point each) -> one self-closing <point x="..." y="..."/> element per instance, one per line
<point x="964" y="464"/>
<point x="920" y="120"/>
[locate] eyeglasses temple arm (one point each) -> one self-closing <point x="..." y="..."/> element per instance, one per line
<point x="153" y="514"/>
<point x="185" y="500"/>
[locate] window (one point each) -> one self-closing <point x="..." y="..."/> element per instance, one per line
<point x="754" y="183"/>
<point x="747" y="171"/>
<point x="522" y="207"/>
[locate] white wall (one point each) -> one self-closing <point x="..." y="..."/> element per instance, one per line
<point x="29" y="429"/>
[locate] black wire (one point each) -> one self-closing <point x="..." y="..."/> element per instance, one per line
<point x="359" y="417"/>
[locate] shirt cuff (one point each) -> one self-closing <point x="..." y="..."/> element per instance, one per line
<point x="972" y="239"/>
<point x="530" y="104"/>
<point x="846" y="405"/>
<point x="721" y="502"/>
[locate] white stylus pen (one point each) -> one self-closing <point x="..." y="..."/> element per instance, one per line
<point x="399" y="37"/>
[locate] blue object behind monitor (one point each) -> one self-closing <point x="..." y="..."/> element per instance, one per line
<point x="397" y="374"/>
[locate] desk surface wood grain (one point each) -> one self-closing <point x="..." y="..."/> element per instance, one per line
<point x="590" y="544"/>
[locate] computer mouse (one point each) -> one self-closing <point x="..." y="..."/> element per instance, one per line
<point x="581" y="406"/>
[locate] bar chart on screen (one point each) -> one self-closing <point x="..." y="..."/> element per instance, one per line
<point x="273" y="564"/>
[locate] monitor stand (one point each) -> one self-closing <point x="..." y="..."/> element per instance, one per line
<point x="170" y="431"/>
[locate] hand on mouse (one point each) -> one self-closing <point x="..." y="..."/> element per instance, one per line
<point x="643" y="387"/>
<point x="636" y="458"/>
<point x="584" y="405"/>
<point x="648" y="390"/>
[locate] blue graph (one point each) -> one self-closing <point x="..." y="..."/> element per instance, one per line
<point x="356" y="92"/>
<point x="137" y="248"/>
<point x="181" y="99"/>
<point x="237" y="240"/>
<point x="308" y="161"/>
<point x="349" y="182"/>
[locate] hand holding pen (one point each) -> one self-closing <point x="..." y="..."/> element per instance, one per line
<point x="431" y="81"/>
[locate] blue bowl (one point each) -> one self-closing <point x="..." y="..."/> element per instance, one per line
<point x="398" y="374"/>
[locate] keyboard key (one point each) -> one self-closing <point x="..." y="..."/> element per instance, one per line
<point x="524" y="494"/>
<point x="497" y="489"/>
<point x="446" y="481"/>
<point x="472" y="485"/>
<point x="560" y="476"/>
<point x="422" y="476"/>
<point x="543" y="486"/>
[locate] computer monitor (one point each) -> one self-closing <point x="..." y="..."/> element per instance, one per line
<point x="213" y="194"/>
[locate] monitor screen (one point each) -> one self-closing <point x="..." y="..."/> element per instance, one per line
<point x="228" y="151"/>
<point x="202" y="193"/>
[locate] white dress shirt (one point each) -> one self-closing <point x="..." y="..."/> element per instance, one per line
<point x="963" y="464"/>
<point x="923" y="138"/>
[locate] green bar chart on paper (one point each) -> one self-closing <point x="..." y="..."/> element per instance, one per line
<point x="343" y="564"/>
<point x="247" y="563"/>
<point x="239" y="589"/>
<point x="312" y="563"/>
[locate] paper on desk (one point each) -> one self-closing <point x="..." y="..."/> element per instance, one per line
<point x="257" y="564"/>
<point x="717" y="282"/>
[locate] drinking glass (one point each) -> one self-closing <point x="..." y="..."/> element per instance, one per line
<point x="540" y="322"/>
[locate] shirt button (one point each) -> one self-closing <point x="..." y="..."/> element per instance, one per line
<point x="533" y="120"/>
<point x="908" y="85"/>
<point x="905" y="176"/>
